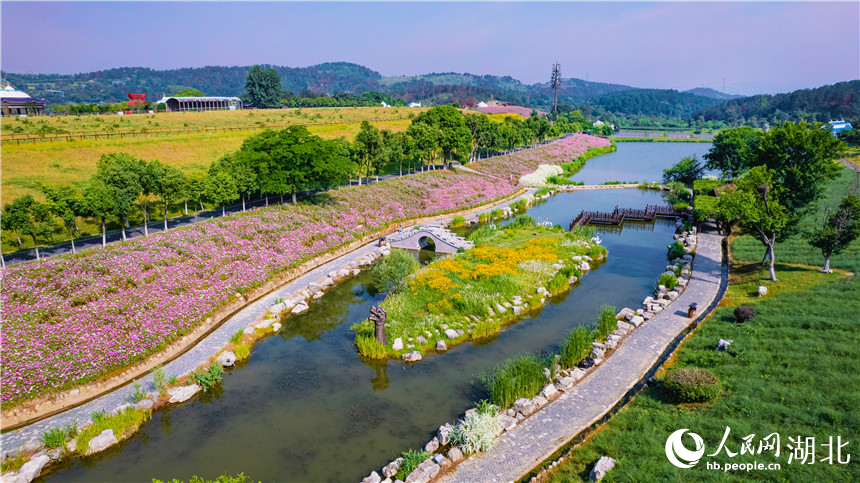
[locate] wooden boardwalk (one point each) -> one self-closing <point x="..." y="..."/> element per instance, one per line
<point x="619" y="215"/>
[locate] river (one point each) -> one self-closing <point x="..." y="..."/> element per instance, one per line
<point x="305" y="407"/>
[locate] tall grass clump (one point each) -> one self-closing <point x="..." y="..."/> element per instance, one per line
<point x="486" y="328"/>
<point x="482" y="233"/>
<point x="368" y="346"/>
<point x="559" y="180"/>
<point x="521" y="221"/>
<point x="209" y="377"/>
<point x="389" y="272"/>
<point x="542" y="191"/>
<point x="458" y="221"/>
<point x="477" y="432"/>
<point x="607" y="323"/>
<point x="159" y="378"/>
<point x="411" y="460"/>
<point x="54" y="438"/>
<point x="676" y="250"/>
<point x="235" y="338"/>
<point x="668" y="280"/>
<point x="122" y="424"/>
<point x="242" y="352"/>
<point x="519" y="377"/>
<point x="575" y="347"/>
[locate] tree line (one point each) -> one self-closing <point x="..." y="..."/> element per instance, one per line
<point x="769" y="181"/>
<point x="270" y="163"/>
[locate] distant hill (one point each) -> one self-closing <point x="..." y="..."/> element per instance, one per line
<point x="836" y="101"/>
<point x="712" y="93"/>
<point x="661" y="103"/>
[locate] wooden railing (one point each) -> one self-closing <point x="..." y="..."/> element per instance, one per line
<point x="618" y="215"/>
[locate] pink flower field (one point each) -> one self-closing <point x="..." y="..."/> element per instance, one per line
<point x="524" y="162"/>
<point x="72" y="319"/>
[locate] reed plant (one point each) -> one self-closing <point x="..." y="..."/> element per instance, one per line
<point x="518" y="377"/>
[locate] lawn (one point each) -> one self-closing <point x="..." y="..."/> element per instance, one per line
<point x="794" y="369"/>
<point x="252" y="118"/>
<point x="796" y="249"/>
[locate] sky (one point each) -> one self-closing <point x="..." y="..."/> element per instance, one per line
<point x="737" y="47"/>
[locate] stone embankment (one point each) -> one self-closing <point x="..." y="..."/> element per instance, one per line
<point x="524" y="429"/>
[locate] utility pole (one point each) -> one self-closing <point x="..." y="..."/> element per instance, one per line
<point x="555" y="82"/>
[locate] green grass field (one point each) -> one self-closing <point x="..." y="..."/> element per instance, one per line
<point x="794" y="369"/>
<point x="796" y="249"/>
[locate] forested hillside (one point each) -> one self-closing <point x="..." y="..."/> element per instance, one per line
<point x="822" y="104"/>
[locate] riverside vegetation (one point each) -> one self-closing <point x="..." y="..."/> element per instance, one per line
<point x="470" y="295"/>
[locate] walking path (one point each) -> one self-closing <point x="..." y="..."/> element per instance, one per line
<point x="194" y="357"/>
<point x="534" y="440"/>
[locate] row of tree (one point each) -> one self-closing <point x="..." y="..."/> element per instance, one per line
<point x="270" y="163"/>
<point x="778" y="176"/>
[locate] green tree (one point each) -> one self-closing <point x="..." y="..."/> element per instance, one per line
<point x="220" y="186"/>
<point x="264" y="87"/>
<point x="803" y="157"/>
<point x="15" y="216"/>
<point x="483" y="133"/>
<point x="99" y="203"/>
<point x="733" y="151"/>
<point x="837" y="230"/>
<point x="454" y="137"/>
<point x="196" y="189"/>
<point x="367" y="149"/>
<point x="172" y="187"/>
<point x="189" y="92"/>
<point x="687" y="170"/>
<point x="149" y="176"/>
<point x="65" y="202"/>
<point x="119" y="172"/>
<point x="426" y="141"/>
<point x="755" y="209"/>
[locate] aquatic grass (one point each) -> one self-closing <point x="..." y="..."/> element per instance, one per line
<point x="137" y="394"/>
<point x="411" y="460"/>
<point x="235" y="338"/>
<point x="369" y="347"/>
<point x="242" y="352"/>
<point x="518" y="377"/>
<point x="54" y="438"/>
<point x="391" y="270"/>
<point x="576" y="347"/>
<point x="209" y="377"/>
<point x="458" y="221"/>
<point x="668" y="280"/>
<point x="159" y="378"/>
<point x="607" y="322"/>
<point x="123" y="424"/>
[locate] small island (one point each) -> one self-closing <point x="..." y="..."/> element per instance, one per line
<point x="511" y="271"/>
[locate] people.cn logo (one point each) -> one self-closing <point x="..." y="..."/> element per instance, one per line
<point x="679" y="455"/>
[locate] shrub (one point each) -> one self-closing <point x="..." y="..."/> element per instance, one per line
<point x="575" y="347"/>
<point x="71" y="429"/>
<point x="607" y="323"/>
<point x="542" y="192"/>
<point x="485" y="328"/>
<point x="388" y="273"/>
<point x="676" y="250"/>
<point x="225" y="478"/>
<point x="235" y="338"/>
<point x="485" y="231"/>
<point x="368" y="346"/>
<point x="138" y="393"/>
<point x="122" y="424"/>
<point x="518" y="377"/>
<point x="458" y="221"/>
<point x="522" y="221"/>
<point x="486" y="407"/>
<point x="559" y="180"/>
<point x="497" y="213"/>
<point x="159" y="378"/>
<point x="558" y="284"/>
<point x="692" y="384"/>
<point x="477" y="432"/>
<point x="520" y="205"/>
<point x="668" y="280"/>
<point x="242" y="352"/>
<point x="483" y="217"/>
<point x="411" y="460"/>
<point x="54" y="438"/>
<point x="744" y="313"/>
<point x="208" y="378"/>
<point x="680" y="205"/>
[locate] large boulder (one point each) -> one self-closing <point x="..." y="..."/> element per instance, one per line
<point x="506" y="422"/>
<point x="226" y="358"/>
<point x="603" y="465"/>
<point x="398" y="344"/>
<point x="32" y="468"/>
<point x="548" y="390"/>
<point x="441" y="346"/>
<point x="524" y="406"/>
<point x="424" y="472"/>
<point x="623" y="313"/>
<point x="300" y="308"/>
<point x="444" y="433"/>
<point x="412" y="356"/>
<point x="181" y="394"/>
<point x="451" y="333"/>
<point x="455" y="454"/>
<point x="724" y="344"/>
<point x="421" y="339"/>
<point x="432" y="445"/>
<point x="391" y="468"/>
<point x="104" y="440"/>
<point x="372" y="478"/>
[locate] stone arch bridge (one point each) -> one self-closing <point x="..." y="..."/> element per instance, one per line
<point x="420" y="237"/>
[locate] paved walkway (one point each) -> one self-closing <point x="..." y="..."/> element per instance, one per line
<point x="194" y="357"/>
<point x="536" y="439"/>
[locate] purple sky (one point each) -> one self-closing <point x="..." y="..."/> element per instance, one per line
<point x="755" y="47"/>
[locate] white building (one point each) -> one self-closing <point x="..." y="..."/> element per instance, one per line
<point x="414" y="104"/>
